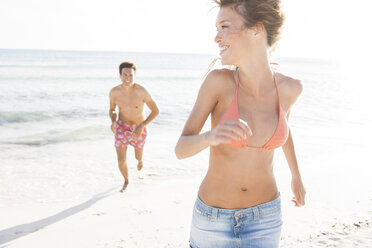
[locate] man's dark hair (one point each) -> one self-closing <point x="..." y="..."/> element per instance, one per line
<point x="127" y="65"/>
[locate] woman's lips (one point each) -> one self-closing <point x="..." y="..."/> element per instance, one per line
<point x="223" y="48"/>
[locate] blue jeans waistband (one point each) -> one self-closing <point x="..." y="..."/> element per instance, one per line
<point x="266" y="208"/>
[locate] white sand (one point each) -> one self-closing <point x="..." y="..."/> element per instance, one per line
<point x="144" y="216"/>
<point x="156" y="215"/>
<point x="358" y="234"/>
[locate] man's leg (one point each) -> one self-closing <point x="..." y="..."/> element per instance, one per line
<point x="122" y="161"/>
<point x="138" y="154"/>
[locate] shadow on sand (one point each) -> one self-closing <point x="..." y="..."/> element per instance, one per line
<point x="19" y="231"/>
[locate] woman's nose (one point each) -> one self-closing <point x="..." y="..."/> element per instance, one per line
<point x="217" y="38"/>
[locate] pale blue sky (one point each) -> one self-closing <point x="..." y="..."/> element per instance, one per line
<point x="316" y="28"/>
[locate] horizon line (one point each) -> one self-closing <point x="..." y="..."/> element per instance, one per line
<point x="154" y="52"/>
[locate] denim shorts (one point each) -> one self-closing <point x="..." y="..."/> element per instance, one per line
<point x="257" y="227"/>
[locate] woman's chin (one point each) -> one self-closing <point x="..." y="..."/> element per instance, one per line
<point x="226" y="61"/>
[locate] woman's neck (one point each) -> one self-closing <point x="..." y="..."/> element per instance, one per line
<point x="255" y="75"/>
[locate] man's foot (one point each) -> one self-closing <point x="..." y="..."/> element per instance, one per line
<point x="139" y="165"/>
<point x="124" y="186"/>
<point x="141" y="175"/>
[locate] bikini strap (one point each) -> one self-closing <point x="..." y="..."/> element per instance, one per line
<point x="236" y="77"/>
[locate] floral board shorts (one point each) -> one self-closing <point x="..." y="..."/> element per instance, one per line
<point x="124" y="136"/>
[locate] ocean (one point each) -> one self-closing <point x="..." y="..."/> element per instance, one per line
<point x="56" y="144"/>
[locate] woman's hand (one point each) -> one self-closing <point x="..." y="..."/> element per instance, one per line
<point x="299" y="192"/>
<point x="227" y="131"/>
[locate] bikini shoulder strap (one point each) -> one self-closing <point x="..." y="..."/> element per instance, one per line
<point x="236" y="77"/>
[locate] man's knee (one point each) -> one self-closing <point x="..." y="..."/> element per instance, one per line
<point x="122" y="160"/>
<point x="121" y="155"/>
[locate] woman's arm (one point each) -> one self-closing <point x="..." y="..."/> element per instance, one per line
<point x="191" y="141"/>
<point x="297" y="186"/>
<point x="189" y="145"/>
<point x="294" y="91"/>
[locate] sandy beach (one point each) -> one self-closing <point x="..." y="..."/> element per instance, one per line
<point x="156" y="215"/>
<point x="144" y="216"/>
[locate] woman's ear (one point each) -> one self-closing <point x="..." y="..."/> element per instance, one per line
<point x="259" y="29"/>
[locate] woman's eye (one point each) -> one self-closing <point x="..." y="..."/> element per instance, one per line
<point x="222" y="27"/>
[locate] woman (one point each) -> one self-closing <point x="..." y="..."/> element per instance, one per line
<point x="238" y="203"/>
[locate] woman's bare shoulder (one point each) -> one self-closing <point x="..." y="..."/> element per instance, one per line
<point x="290" y="86"/>
<point x="219" y="79"/>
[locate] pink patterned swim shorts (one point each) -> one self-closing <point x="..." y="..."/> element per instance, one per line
<point x="124" y="136"/>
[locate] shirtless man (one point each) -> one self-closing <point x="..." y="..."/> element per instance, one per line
<point x="130" y="127"/>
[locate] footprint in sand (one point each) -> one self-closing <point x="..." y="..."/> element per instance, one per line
<point x="152" y="175"/>
<point x="99" y="214"/>
<point x="335" y="239"/>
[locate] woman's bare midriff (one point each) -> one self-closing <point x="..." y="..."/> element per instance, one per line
<point x="238" y="178"/>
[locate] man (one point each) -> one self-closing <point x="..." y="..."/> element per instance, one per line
<point x="129" y="126"/>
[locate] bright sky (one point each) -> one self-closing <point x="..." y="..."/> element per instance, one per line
<point x="316" y="28"/>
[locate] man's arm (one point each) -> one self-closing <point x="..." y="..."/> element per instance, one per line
<point x="151" y="104"/>
<point x="154" y="112"/>
<point x="112" y="111"/>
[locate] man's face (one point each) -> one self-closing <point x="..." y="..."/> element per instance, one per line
<point x="126" y="76"/>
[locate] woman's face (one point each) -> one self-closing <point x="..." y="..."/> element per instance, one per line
<point x="233" y="38"/>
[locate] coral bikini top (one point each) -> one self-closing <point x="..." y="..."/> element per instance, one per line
<point x="281" y="132"/>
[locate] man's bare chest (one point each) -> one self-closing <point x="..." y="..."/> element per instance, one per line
<point x="129" y="101"/>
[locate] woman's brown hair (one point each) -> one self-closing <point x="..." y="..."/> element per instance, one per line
<point x="267" y="12"/>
